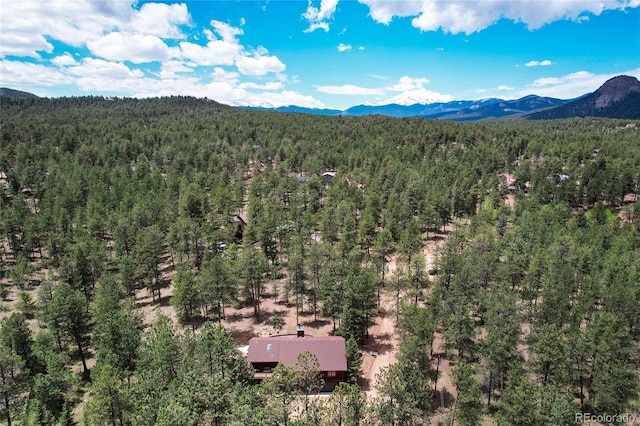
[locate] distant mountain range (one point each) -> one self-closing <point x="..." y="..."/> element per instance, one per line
<point x="501" y="109"/>
<point x="618" y="97"/>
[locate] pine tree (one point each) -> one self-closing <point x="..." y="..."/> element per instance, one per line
<point x="354" y="360"/>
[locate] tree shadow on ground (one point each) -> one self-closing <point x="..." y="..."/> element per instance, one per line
<point x="365" y="384"/>
<point x="380" y="344"/>
<point x="442" y="398"/>
<point x="234" y="317"/>
<point x="318" y="323"/>
<point x="241" y="336"/>
<point x="197" y="322"/>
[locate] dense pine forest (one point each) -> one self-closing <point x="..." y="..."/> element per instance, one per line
<point x="533" y="298"/>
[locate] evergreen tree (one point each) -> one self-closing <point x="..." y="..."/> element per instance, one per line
<point x="69" y="316"/>
<point x="346" y="406"/>
<point x="396" y="405"/>
<point x="186" y="298"/>
<point x="251" y="267"/>
<point x="16" y="337"/>
<point x="468" y="406"/>
<point x="109" y="400"/>
<point x="147" y="252"/>
<point x="383" y="248"/>
<point x="359" y="302"/>
<point x="354" y="360"/>
<point x="117" y="328"/>
<point x="160" y="353"/>
<point x="51" y="388"/>
<point x="281" y="390"/>
<point x="307" y="372"/>
<point x="216" y="354"/>
<point x="519" y="405"/>
<point x="215" y="284"/>
<point x="13" y="384"/>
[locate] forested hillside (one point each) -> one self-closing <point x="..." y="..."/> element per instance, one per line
<point x="534" y="294"/>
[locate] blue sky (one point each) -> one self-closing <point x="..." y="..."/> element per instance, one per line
<point x="318" y="53"/>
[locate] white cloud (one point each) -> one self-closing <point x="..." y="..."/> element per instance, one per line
<point x="461" y="16"/>
<point x="571" y="85"/>
<point x="215" y="52"/>
<point x="407" y="83"/>
<point x="259" y="64"/>
<point x="224" y="92"/>
<point x="544" y="63"/>
<point x="64" y="60"/>
<point x="72" y="22"/>
<point x="412" y="91"/>
<point x="317" y="26"/>
<point x="225" y="88"/>
<point x="171" y="69"/>
<point x="384" y="11"/>
<point x="350" y="89"/>
<point x="100" y="76"/>
<point x="147" y="87"/>
<point x="344" y="47"/>
<point x="221" y="49"/>
<point x="317" y="17"/>
<point x="230" y="94"/>
<point x="229" y="51"/>
<point x="221" y="75"/>
<point x="270" y="86"/>
<point x="19" y="44"/>
<point x="326" y="11"/>
<point x="550" y="81"/>
<point x="28" y="24"/>
<point x="24" y="74"/>
<point x="226" y="31"/>
<point x="137" y="48"/>
<point x="119" y="33"/>
<point x="102" y="69"/>
<point x="161" y="20"/>
<point x="503" y="87"/>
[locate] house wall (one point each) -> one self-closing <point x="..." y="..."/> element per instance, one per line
<point x="264" y="369"/>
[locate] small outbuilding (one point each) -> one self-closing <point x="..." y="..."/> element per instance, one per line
<point x="510" y="182"/>
<point x="328" y="177"/>
<point x="241" y="222"/>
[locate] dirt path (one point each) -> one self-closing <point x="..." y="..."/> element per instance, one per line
<point x="383" y="346"/>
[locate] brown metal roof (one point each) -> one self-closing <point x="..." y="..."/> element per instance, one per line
<point x="330" y="351"/>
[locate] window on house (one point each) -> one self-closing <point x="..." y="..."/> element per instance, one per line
<point x="331" y="374"/>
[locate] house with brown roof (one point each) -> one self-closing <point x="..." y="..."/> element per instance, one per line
<point x="265" y="353"/>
